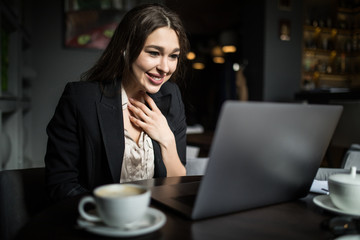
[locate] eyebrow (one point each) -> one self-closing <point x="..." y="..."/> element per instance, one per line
<point x="161" y="48"/>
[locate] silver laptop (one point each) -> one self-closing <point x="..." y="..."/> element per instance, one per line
<point x="262" y="154"/>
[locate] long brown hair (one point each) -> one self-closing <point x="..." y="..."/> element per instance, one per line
<point x="128" y="40"/>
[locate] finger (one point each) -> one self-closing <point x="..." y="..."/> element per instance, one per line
<point x="151" y="102"/>
<point x="137" y="112"/>
<point x="134" y="120"/>
<point x="140" y="106"/>
<point x="137" y="122"/>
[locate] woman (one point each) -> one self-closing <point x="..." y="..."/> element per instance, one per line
<point x="126" y="120"/>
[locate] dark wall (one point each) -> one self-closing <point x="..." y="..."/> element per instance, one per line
<point x="54" y="64"/>
<point x="252" y="29"/>
<point x="207" y="89"/>
<point x="282" y="59"/>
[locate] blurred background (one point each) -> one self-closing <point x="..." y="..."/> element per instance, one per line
<point x="249" y="50"/>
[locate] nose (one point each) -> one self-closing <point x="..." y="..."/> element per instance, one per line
<point x="163" y="65"/>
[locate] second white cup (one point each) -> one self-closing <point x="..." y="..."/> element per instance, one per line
<point x="345" y="191"/>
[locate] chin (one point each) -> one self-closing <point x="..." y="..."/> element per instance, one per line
<point x="153" y="88"/>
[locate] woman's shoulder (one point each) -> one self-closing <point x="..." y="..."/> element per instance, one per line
<point x="81" y="85"/>
<point x="81" y="89"/>
<point x="169" y="88"/>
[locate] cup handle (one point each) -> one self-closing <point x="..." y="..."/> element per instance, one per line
<point x="83" y="213"/>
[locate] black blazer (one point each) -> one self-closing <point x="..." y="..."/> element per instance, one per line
<point x="86" y="137"/>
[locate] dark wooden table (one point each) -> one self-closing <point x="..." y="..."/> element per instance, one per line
<point x="300" y="219"/>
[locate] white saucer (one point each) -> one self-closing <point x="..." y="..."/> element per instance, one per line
<point x="325" y="202"/>
<point x="153" y="220"/>
<point x="349" y="237"/>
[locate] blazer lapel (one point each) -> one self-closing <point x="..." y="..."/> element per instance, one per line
<point x="112" y="128"/>
<point x="162" y="102"/>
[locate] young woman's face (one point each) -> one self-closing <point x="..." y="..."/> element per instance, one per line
<point x="157" y="60"/>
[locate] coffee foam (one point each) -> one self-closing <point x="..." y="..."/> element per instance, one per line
<point x="119" y="192"/>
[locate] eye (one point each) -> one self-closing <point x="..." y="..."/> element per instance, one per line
<point x="153" y="53"/>
<point x="174" y="56"/>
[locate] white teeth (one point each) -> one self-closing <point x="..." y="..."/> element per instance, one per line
<point x="155" y="78"/>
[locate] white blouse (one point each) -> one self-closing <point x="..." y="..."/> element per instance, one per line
<point x="138" y="160"/>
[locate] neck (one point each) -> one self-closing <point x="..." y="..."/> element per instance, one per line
<point x="133" y="90"/>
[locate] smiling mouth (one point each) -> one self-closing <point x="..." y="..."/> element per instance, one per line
<point x="157" y="80"/>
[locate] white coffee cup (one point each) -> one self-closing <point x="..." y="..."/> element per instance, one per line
<point x="117" y="204"/>
<point x="344" y="190"/>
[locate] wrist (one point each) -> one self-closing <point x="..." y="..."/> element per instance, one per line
<point x="168" y="141"/>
